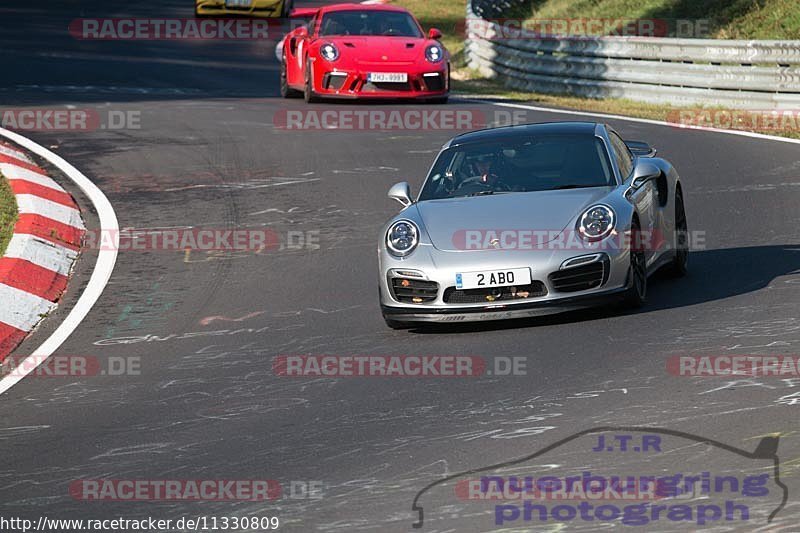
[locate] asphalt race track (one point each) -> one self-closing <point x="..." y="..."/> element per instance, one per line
<point x="208" y="405"/>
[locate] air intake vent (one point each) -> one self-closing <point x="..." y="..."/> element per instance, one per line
<point x="580" y="278"/>
<point x="414" y="291"/>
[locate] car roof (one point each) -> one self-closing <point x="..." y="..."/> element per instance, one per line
<point x="361" y="7"/>
<point x="524" y="130"/>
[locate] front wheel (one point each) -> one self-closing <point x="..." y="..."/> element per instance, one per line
<point x="308" y="92"/>
<point x="636" y="295"/>
<point x="680" y="263"/>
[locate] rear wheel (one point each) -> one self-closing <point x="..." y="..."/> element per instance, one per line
<point x="680" y="263"/>
<point x="636" y="295"/>
<point x="308" y="93"/>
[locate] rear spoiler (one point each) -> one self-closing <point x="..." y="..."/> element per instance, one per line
<point x="303" y="12"/>
<point x="640" y="149"/>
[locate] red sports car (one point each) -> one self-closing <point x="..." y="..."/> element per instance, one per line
<point x="364" y="51"/>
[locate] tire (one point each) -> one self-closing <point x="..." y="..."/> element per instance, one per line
<point x="396" y="324"/>
<point x="308" y="91"/>
<point x="286" y="10"/>
<point x="679" y="265"/>
<point x="286" y="91"/>
<point x="636" y="296"/>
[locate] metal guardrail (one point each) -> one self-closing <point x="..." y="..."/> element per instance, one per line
<point x="728" y="73"/>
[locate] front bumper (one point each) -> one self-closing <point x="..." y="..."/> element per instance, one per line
<point x="505" y="312"/>
<point x="547" y="272"/>
<point x="432" y="82"/>
<point x="258" y="8"/>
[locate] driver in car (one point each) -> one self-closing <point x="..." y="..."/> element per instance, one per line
<point x="484" y="167"/>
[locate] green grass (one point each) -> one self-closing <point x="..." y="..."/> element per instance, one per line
<point x="8" y="214"/>
<point x="729" y="19"/>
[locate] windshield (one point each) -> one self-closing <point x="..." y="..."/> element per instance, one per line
<point x="537" y="163"/>
<point x="389" y="23"/>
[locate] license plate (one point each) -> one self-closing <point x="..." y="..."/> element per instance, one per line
<point x="238" y="3"/>
<point x="388" y="77"/>
<point x="493" y="278"/>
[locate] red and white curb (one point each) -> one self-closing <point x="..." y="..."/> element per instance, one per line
<point x="39" y="257"/>
<point x="67" y="235"/>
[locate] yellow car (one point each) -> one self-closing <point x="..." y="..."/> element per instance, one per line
<point x="250" y="8"/>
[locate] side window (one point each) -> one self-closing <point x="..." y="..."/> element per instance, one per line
<point x="622" y="155"/>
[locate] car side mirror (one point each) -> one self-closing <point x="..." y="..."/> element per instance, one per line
<point x="402" y="193"/>
<point x="434" y="33"/>
<point x="301" y="32"/>
<point x="643" y="172"/>
<point x="640" y="149"/>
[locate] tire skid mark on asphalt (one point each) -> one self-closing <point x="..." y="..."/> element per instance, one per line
<point x="250" y="185"/>
<point x="150" y="337"/>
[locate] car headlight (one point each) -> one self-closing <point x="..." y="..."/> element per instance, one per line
<point x="596" y="223"/>
<point x="402" y="238"/>
<point x="329" y="52"/>
<point x="434" y="53"/>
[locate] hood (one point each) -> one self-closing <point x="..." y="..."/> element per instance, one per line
<point x="373" y="49"/>
<point x="447" y="221"/>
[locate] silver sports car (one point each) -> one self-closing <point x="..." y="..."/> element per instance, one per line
<point x="528" y="220"/>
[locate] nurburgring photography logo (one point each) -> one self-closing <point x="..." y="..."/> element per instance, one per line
<point x="613" y="475"/>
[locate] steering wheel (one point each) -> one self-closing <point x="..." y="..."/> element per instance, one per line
<point x="475" y="184"/>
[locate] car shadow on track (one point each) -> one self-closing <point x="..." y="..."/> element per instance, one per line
<point x="713" y="275"/>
